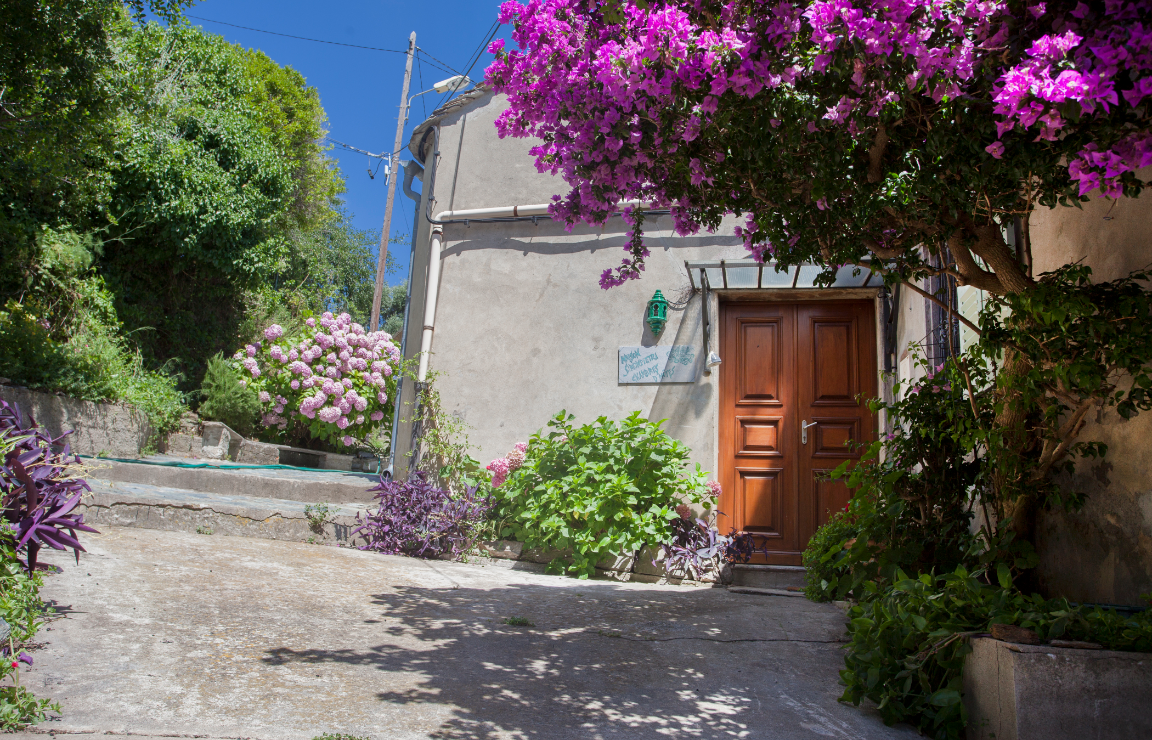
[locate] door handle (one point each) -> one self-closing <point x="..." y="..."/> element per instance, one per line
<point x="804" y="430"/>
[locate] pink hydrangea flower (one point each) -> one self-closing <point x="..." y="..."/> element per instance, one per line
<point x="274" y="332"/>
<point x="714" y="487"/>
<point x="329" y="414"/>
<point x="376" y="415"/>
<point x="348" y="441"/>
<point x="265" y="397"/>
<point x="295" y="385"/>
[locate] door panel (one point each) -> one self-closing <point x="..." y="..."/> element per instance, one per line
<point x="792" y="363"/>
<point x="760" y="501"/>
<point x="832" y="393"/>
<point x="759" y="352"/>
<point x="757" y="428"/>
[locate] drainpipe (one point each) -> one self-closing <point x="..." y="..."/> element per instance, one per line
<point x="430" y="301"/>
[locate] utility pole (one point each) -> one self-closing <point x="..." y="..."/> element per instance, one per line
<point x="393" y="161"/>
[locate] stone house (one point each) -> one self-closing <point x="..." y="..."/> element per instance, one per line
<point x="757" y="371"/>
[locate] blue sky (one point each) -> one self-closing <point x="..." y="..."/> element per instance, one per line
<point x="360" y="89"/>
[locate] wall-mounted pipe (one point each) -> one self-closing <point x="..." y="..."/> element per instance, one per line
<point x="412" y="170"/>
<point x="430" y="302"/>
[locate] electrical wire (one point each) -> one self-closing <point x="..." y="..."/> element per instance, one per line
<point x="420" y="76"/>
<point x="475" y="57"/>
<point x="446" y="66"/>
<point x="433" y="60"/>
<point x="355" y="149"/>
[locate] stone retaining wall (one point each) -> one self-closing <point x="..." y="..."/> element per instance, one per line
<point x="638" y="567"/>
<point x="111" y="429"/>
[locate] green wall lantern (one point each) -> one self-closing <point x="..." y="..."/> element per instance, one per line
<point x="657" y="314"/>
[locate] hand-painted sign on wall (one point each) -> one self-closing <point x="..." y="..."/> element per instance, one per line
<point x="664" y="364"/>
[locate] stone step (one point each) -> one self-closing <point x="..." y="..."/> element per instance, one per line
<point x="228" y="479"/>
<point x="174" y="509"/>
<point x="768" y="576"/>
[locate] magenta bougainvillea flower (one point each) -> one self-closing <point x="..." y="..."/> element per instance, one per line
<point x="883" y="111"/>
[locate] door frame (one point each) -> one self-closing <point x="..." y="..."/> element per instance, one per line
<point x="719" y="298"/>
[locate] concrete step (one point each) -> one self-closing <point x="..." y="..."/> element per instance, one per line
<point x="174" y="509"/>
<point x="782" y="577"/>
<point x="229" y="479"/>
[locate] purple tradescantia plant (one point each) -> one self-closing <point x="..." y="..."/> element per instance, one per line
<point x="697" y="546"/>
<point x="37" y="499"/>
<point x="418" y="519"/>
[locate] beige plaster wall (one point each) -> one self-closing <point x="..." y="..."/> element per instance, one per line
<point x="1103" y="553"/>
<point x="522" y="326"/>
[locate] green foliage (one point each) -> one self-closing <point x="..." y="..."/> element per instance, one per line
<point x="518" y="622"/>
<point x="598" y="490"/>
<point x="392" y="304"/>
<point x="226" y="399"/>
<point x="977" y="444"/>
<point x="94" y="364"/>
<point x="23" y="610"/>
<point x="317" y="514"/>
<point x="824" y="557"/>
<point x="908" y="640"/>
<point x="1081" y="346"/>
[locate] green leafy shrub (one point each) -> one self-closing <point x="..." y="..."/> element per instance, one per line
<point x="227" y="399"/>
<point x="94" y="362"/>
<point x="597" y="490"/>
<point x="908" y="640"/>
<point x="825" y="559"/>
<point x="916" y="493"/>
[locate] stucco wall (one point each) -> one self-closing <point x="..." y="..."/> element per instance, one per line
<point x="523" y="329"/>
<point x="1103" y="553"/>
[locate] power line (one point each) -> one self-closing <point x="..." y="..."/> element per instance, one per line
<point x="361" y="151"/>
<point x="436" y="62"/>
<point x="474" y="58"/>
<point x="447" y="67"/>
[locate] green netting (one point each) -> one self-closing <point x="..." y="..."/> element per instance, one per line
<point x="221" y="466"/>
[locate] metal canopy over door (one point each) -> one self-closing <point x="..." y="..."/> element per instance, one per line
<point x="789" y="414"/>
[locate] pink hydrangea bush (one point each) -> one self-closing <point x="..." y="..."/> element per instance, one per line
<point x="332" y="377"/>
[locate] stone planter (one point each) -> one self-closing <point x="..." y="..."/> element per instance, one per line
<point x="1041" y="692"/>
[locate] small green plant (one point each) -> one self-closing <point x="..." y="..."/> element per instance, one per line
<point x="227" y="399"/>
<point x="518" y="622"/>
<point x="23" y="612"/>
<point x="203" y="530"/>
<point x="597" y="490"/>
<point x="317" y="514"/>
<point x="444" y="448"/>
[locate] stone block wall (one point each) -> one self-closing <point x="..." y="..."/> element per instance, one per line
<point x="110" y="429"/>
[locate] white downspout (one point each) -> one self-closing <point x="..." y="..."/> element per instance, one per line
<point x="514" y="211"/>
<point x="430" y="296"/>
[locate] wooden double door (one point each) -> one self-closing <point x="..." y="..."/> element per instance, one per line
<point x="794" y="387"/>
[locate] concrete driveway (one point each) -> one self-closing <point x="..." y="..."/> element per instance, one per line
<point x="174" y="634"/>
